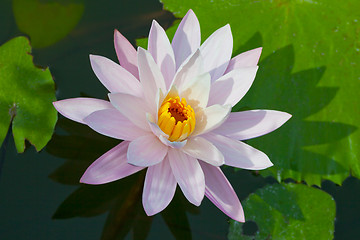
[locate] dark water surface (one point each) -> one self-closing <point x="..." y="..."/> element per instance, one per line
<point x="40" y="197"/>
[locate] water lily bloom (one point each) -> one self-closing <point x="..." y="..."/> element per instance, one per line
<point x="171" y="106"/>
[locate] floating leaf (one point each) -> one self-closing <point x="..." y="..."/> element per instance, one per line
<point x="47" y="22"/>
<point x="288" y="211"/>
<point x="26" y="96"/>
<point x="309" y="68"/>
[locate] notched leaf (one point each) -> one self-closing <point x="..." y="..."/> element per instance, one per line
<point x="26" y="96"/>
<point x="287" y="211"/>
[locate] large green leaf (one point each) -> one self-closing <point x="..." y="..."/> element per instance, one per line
<point x="26" y="96"/>
<point x="288" y="211"/>
<point x="47" y="22"/>
<point x="309" y="68"/>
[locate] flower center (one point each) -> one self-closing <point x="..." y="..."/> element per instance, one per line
<point x="176" y="118"/>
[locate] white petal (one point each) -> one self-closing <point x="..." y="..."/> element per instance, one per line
<point x="245" y="59"/>
<point x="196" y="92"/>
<point x="251" y="124"/>
<point x="221" y="193"/>
<point x="126" y="54"/>
<point x="131" y="107"/>
<point x="159" y="188"/>
<point x="114" y="77"/>
<point x="162" y="52"/>
<point x="112" y="123"/>
<point x="77" y="109"/>
<point x="151" y="77"/>
<point x="187" y="38"/>
<point x="216" y="52"/>
<point x="204" y="150"/>
<point x="191" y="68"/>
<point x="232" y="87"/>
<point x="238" y="154"/>
<point x="176" y="145"/>
<point x="188" y="174"/>
<point x="110" y="167"/>
<point x="154" y="127"/>
<point x="146" y="151"/>
<point x="210" y="118"/>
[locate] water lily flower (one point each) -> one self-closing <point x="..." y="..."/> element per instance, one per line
<point x="171" y="106"/>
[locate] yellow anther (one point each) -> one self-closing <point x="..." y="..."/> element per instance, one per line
<point x="176" y="118"/>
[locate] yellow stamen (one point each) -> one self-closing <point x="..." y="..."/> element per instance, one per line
<point x="176" y="118"/>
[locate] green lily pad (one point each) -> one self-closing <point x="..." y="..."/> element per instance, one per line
<point x="287" y="211"/>
<point x="26" y="96"/>
<point x="47" y="22"/>
<point x="309" y="68"/>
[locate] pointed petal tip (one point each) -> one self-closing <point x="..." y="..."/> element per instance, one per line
<point x="154" y="22"/>
<point x="239" y="217"/>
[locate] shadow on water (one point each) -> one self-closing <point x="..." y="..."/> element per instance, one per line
<point x="347" y="207"/>
<point x="277" y="87"/>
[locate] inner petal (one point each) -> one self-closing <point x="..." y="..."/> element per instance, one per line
<point x="176" y="118"/>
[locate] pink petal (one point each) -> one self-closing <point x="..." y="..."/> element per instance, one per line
<point x="146" y="151"/>
<point x="216" y="52"/>
<point x="251" y="124"/>
<point x="111" y="123"/>
<point x="188" y="174"/>
<point x="191" y="68"/>
<point x="204" y="150"/>
<point x="210" y="118"/>
<point x="187" y="38"/>
<point x="196" y="91"/>
<point x="232" y="87"/>
<point x="221" y="193"/>
<point x="77" y="109"/>
<point x="126" y="54"/>
<point x="162" y="52"/>
<point x="110" y="167"/>
<point x="239" y="154"/>
<point x="131" y="107"/>
<point x="114" y="77"/>
<point x="245" y="59"/>
<point x="151" y="77"/>
<point x="159" y="187"/>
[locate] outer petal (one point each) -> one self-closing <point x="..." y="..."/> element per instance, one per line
<point x="188" y="174"/>
<point x="232" y="87"/>
<point x="191" y="68"/>
<point x="131" y="107"/>
<point x="202" y="149"/>
<point x="197" y="91"/>
<point x="220" y="192"/>
<point x="146" y="151"/>
<point x="187" y="38"/>
<point x="110" y="167"/>
<point x="150" y="76"/>
<point x="77" y="109"/>
<point x="112" y="123"/>
<point x="251" y="124"/>
<point x="159" y="187"/>
<point x="114" y="77"/>
<point x="238" y="154"/>
<point x="210" y="118"/>
<point x="162" y="52"/>
<point x="126" y="54"/>
<point x="216" y="52"/>
<point x="245" y="59"/>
